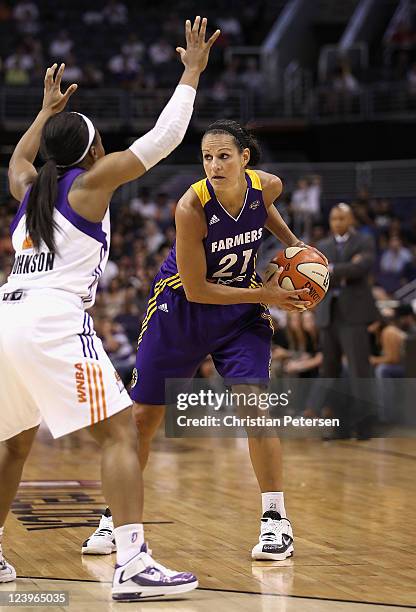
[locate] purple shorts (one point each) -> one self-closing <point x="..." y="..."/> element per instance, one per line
<point x="177" y="335"/>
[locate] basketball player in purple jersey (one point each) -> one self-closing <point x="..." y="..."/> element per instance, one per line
<point x="208" y="299"/>
<point x="52" y="365"/>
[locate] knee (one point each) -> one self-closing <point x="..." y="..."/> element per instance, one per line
<point x="18" y="448"/>
<point x="147" y="419"/>
<point x="118" y="429"/>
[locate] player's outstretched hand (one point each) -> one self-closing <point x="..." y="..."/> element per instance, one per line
<point x="195" y="56"/>
<point x="53" y="99"/>
<point x="293" y="300"/>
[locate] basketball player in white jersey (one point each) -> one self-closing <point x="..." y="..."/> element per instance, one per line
<point x="52" y="365"/>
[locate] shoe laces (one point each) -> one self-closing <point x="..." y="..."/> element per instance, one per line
<point x="271" y="530"/>
<point x="105" y="527"/>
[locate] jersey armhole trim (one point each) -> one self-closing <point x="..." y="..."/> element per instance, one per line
<point x="201" y="191"/>
<point x="255" y="179"/>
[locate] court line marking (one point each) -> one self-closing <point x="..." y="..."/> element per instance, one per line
<point x="311" y="597"/>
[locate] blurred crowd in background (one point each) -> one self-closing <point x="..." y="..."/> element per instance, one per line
<point x="139" y="50"/>
<point x="140" y="42"/>
<point x="143" y="232"/>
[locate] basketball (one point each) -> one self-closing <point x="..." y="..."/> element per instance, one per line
<point x="303" y="268"/>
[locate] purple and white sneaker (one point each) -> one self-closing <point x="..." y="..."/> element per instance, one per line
<point x="143" y="577"/>
<point x="7" y="571"/>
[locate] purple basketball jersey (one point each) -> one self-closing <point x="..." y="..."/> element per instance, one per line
<point x="232" y="243"/>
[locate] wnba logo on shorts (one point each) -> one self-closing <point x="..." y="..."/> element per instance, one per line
<point x="80" y="383"/>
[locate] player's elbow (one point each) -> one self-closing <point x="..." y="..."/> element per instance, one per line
<point x="194" y="294"/>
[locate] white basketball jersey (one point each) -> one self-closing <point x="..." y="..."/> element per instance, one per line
<point x="81" y="255"/>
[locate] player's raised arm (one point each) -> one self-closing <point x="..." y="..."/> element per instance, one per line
<point x="22" y="172"/>
<point x="124" y="166"/>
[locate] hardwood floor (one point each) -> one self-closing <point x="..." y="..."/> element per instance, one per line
<point x="352" y="505"/>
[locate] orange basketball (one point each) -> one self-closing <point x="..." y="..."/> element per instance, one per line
<point x="302" y="269"/>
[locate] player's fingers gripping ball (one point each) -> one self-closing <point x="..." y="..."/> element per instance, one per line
<point x="303" y="268"/>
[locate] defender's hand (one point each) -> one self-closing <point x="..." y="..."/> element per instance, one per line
<point x="54" y="100"/>
<point x="195" y="56"/>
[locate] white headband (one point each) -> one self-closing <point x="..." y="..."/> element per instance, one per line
<point x="91" y="134"/>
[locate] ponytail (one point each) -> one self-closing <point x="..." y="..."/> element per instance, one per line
<point x="242" y="137"/>
<point x="40" y="224"/>
<point x="65" y="138"/>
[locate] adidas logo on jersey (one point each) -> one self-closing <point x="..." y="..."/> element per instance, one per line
<point x="214" y="219"/>
<point x="163" y="307"/>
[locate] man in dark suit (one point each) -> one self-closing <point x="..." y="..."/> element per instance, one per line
<point x="347" y="310"/>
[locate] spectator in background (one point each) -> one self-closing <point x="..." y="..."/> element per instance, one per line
<point x="133" y="47"/>
<point x="390" y="338"/>
<point x="15" y="72"/>
<point x="345" y="90"/>
<point x="92" y="18"/>
<point x="394" y="259"/>
<point x="114" y="298"/>
<point x="172" y="28"/>
<point x="231" y="75"/>
<point x="347" y="310"/>
<point x="299" y="206"/>
<point x="230" y="28"/>
<point x="93" y="76"/>
<point x="73" y="73"/>
<point x="307" y="363"/>
<point x="409" y="270"/>
<point x="61" y="46"/>
<point x="124" y="68"/>
<point x="144" y="205"/>
<point x="111" y="271"/>
<point x="153" y="236"/>
<point x="26" y="15"/>
<point x="406" y="319"/>
<point x="161" y="52"/>
<point x="128" y="318"/>
<point x="251" y="78"/>
<point x="20" y="59"/>
<point x="117" y="347"/>
<point x="382" y="213"/>
<point x="218" y="97"/>
<point x="165" y="210"/>
<point x="115" y="13"/>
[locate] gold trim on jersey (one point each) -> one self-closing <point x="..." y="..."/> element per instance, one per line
<point x="255" y="179"/>
<point x="201" y="191"/>
<point x="172" y="281"/>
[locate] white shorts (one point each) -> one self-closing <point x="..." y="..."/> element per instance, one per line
<point x="53" y="366"/>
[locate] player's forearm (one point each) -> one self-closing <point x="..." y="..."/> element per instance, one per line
<point x="28" y="146"/>
<point x="276" y="225"/>
<point x="190" y="77"/>
<point x="212" y="293"/>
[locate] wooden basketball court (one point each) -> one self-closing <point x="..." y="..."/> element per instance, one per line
<point x="352" y="505"/>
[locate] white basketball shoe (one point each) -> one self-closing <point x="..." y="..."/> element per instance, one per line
<point x="102" y="541"/>
<point x="143" y="577"/>
<point x="7" y="571"/>
<point x="276" y="538"/>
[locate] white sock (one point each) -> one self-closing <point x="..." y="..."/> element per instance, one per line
<point x="129" y="539"/>
<point x="273" y="500"/>
<point x="1" y="537"/>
